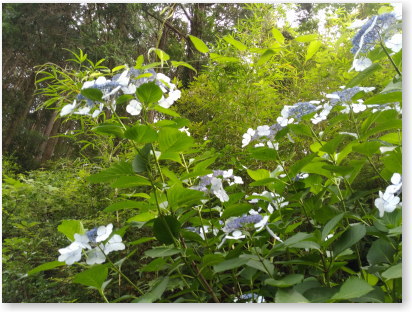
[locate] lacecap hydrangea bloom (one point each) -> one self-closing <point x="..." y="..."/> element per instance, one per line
<point x="97" y="238"/>
<point x="234" y="226"/>
<point x="390" y="200"/>
<point x="125" y="83"/>
<point x="376" y="29"/>
<point x="213" y="183"/>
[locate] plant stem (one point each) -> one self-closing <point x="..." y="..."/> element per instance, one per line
<point x="390" y="58"/>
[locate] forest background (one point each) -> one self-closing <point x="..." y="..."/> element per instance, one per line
<point x="46" y="159"/>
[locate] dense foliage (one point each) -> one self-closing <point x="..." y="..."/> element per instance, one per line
<point x="271" y="173"/>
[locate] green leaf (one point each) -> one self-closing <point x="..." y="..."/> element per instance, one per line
<point x="287" y="281"/>
<point x="342" y="171"/>
<point x="391" y="97"/>
<point x="173" y="141"/>
<point x="181" y="63"/>
<point x="264" y="153"/>
<point x="125" y="204"/>
<point x="141" y="134"/>
<point x="111" y="129"/>
<point x="139" y="62"/>
<point x="178" y="196"/>
<point x="258" y="174"/>
<point x="237" y="44"/>
<point x="300" y="129"/>
<point x="223" y="59"/>
<point x="263" y="265"/>
<point x="71" y="227"/>
<point x="130" y="181"/>
<point x="166" y="111"/>
<point x="142" y="240"/>
<point x="298" y="165"/>
<point x="306" y="38"/>
<point x="393" y="138"/>
<point x="162" y="55"/>
<point x="230" y="264"/>
<point x="367" y="148"/>
<point x="236" y="210"/>
<point x="351" y="236"/>
<point x="363" y="75"/>
<point x="139" y="164"/>
<point x="331" y="147"/>
<point x="161" y="252"/>
<point x="393" y="272"/>
<point x="381" y="251"/>
<point x="312" y="49"/>
<point x="166" y="228"/>
<point x="320" y="294"/>
<point x="265" y="56"/>
<point x="154" y="266"/>
<point x="353" y="287"/>
<point x="278" y="36"/>
<point x="149" y="93"/>
<point x="116" y="171"/>
<point x="199" y="44"/>
<point x="117" y="68"/>
<point x="212" y="259"/>
<point x="298" y="237"/>
<point x="331" y="225"/>
<point x="92" y="94"/>
<point x="156" y="293"/>
<point x="93" y="277"/>
<point x="384" y="126"/>
<point x="124" y="98"/>
<point x="289" y="296"/>
<point x="142" y="217"/>
<point x="46" y="266"/>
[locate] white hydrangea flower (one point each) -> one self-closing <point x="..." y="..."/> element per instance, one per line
<point x="263" y="130"/>
<point x="83" y="111"/>
<point x="218" y="190"/>
<point x="247" y="137"/>
<point x="361" y="64"/>
<point x="68" y="109"/>
<point x="95" y="256"/>
<point x="185" y="130"/>
<point x="114" y="244"/>
<point x="71" y="253"/>
<point x="394" y="43"/>
<point x="357" y="108"/>
<point x="134" y="108"/>
<point x="103" y="232"/>
<point x="396" y="184"/>
<point x="386" y="202"/>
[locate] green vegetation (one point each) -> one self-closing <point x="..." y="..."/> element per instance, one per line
<point x="269" y="169"/>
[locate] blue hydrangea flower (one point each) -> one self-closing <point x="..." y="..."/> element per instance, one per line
<point x="370" y="32"/>
<point x="240" y="222"/>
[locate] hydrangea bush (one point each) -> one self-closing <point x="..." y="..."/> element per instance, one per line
<point x="300" y="232"/>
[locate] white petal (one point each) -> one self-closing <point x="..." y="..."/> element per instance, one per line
<point x="134" y="108"/>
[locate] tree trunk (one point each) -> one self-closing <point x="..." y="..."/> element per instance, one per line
<point x="51" y="142"/>
<point x="46" y="134"/>
<point x="16" y="124"/>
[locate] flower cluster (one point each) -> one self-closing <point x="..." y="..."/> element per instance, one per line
<point x="276" y="201"/>
<point x="251" y="298"/>
<point x="369" y="34"/>
<point x="389" y="200"/>
<point x="234" y="226"/>
<point x="375" y="29"/>
<point x="127" y="82"/>
<point x="213" y="183"/>
<point x="73" y="252"/>
<point x="265" y="135"/>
